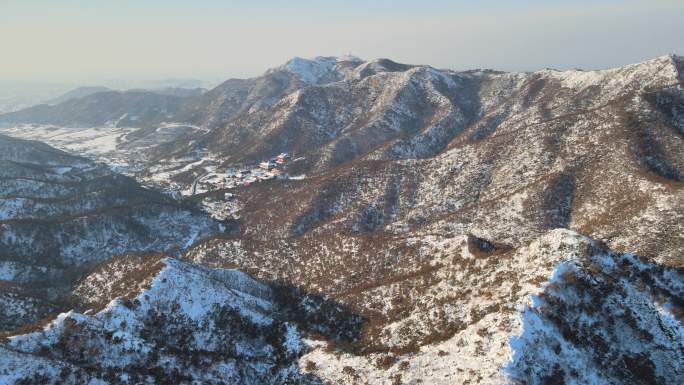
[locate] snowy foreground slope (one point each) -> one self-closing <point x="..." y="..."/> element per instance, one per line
<point x="570" y="311"/>
<point x="563" y="308"/>
<point x="189" y="325"/>
<point x="602" y="320"/>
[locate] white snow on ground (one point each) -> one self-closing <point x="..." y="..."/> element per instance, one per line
<point x="110" y="144"/>
<point x="221" y="209"/>
<point x="191" y="299"/>
<point x="521" y="343"/>
<point x="82" y="141"/>
<point x="9" y="208"/>
<point x="20" y="272"/>
<point x="481" y="349"/>
<point x="115" y="147"/>
<point x="320" y="68"/>
<point x="660" y="70"/>
<point x="16" y="366"/>
<point x="198" y="289"/>
<point x="164" y="173"/>
<point x="194" y="234"/>
<point x="311" y="71"/>
<point x="626" y="323"/>
<point x="164" y="126"/>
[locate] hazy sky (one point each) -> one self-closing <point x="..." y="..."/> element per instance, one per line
<point x="93" y="40"/>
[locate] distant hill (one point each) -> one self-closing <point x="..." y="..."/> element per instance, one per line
<point x="136" y="108"/>
<point x="77" y="93"/>
<point x="176" y="91"/>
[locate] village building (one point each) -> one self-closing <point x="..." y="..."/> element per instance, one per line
<point x="267" y="165"/>
<point x="282" y="158"/>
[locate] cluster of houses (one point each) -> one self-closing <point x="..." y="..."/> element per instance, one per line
<point x="266" y="170"/>
<point x="273" y="163"/>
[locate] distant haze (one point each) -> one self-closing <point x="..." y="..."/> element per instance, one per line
<point x="92" y="41"/>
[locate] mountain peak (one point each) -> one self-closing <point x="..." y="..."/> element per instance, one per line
<point x="659" y="71"/>
<point x="324" y="60"/>
<point x="311" y="70"/>
<point x="320" y="69"/>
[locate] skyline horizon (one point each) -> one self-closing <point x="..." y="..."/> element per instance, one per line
<point x="97" y="40"/>
<point x="217" y="79"/>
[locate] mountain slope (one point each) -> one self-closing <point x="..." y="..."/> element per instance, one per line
<point x="400" y="111"/>
<point x="114" y="108"/>
<point x="60" y="214"/>
<point x="421" y="247"/>
<point x="77" y="93"/>
<point x="547" y="164"/>
<point x="189" y="324"/>
<point x="332" y="111"/>
<point x="605" y="319"/>
<point x="71" y="210"/>
<point x="442" y="308"/>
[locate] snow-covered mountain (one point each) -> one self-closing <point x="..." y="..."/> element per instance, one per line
<point x="436" y="227"/>
<point x="331" y="111"/>
<point x="70" y="210"/>
<point x="188" y="324"/>
<point x="136" y="108"/>
<point x="537" y="155"/>
<point x="60" y="214"/>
